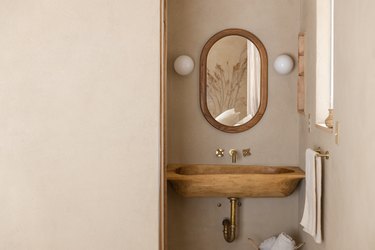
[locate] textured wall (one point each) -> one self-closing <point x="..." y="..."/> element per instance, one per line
<point x="78" y="111"/>
<point x="348" y="176"/>
<point x="196" y="223"/>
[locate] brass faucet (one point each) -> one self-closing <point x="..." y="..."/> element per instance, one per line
<point x="233" y="153"/>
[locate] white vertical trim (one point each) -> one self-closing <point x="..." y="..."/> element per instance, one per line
<point x="332" y="53"/>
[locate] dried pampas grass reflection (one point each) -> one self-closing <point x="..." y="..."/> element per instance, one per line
<point x="224" y="86"/>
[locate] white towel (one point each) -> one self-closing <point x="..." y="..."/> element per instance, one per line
<point x="311" y="219"/>
<point x="284" y="242"/>
<point x="268" y="243"/>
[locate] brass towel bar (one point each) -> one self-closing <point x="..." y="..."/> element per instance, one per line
<point x="322" y="154"/>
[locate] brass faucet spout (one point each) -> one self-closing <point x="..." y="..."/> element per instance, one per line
<point x="233" y="153"/>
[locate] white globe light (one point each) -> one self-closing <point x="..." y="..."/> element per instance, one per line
<point x="183" y="65"/>
<point x="283" y="64"/>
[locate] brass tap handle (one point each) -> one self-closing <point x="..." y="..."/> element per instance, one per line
<point x="233" y="153"/>
<point x="219" y="152"/>
<point x="246" y="152"/>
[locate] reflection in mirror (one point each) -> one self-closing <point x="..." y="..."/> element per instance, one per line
<point x="233" y="80"/>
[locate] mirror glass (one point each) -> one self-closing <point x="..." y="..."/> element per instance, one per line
<point x="233" y="80"/>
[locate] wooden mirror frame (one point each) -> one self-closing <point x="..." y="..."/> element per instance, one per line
<point x="263" y="80"/>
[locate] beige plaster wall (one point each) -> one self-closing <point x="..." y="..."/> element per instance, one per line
<point x="196" y="223"/>
<point x="349" y="187"/>
<point x="79" y="108"/>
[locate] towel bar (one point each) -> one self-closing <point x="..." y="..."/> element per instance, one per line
<point x="322" y="154"/>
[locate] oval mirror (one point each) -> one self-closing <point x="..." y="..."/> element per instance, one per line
<point x="233" y="80"/>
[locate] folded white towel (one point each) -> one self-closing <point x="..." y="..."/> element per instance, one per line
<point x="268" y="243"/>
<point x="284" y="242"/>
<point x="311" y="219"/>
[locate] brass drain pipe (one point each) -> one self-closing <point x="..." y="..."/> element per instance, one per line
<point x="230" y="225"/>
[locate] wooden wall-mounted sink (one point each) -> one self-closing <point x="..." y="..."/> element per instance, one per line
<point x="200" y="180"/>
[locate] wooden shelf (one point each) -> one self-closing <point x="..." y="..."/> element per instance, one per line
<point x="323" y="127"/>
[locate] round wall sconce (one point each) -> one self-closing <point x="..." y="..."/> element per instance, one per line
<point x="183" y="65"/>
<point x="283" y="64"/>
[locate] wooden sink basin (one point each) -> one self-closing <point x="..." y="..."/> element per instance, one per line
<point x="200" y="180"/>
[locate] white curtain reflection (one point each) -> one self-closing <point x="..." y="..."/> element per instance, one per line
<point x="253" y="79"/>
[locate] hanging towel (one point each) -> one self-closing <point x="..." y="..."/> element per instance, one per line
<point x="311" y="219"/>
<point x="284" y="242"/>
